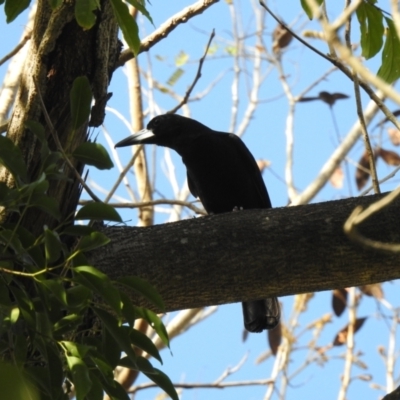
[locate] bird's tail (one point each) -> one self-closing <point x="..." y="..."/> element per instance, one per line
<point x="261" y="314"/>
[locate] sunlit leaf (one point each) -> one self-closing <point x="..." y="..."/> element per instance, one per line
<point x="140" y="6"/>
<point x="98" y="211"/>
<point x="372" y="29"/>
<point x="127" y="24"/>
<point x="80" y="376"/>
<point x="307" y="9"/>
<point x="390" y="68"/>
<point x="84" y="12"/>
<point x="93" y="241"/>
<point x="13" y="8"/>
<point x="93" y="154"/>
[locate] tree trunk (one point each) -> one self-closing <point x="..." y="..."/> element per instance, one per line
<point x="253" y="254"/>
<point x="60" y="51"/>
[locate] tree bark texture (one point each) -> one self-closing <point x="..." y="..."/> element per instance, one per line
<point x="60" y="51"/>
<point x="253" y="254"/>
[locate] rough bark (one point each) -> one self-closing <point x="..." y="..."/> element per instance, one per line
<point x="253" y="254"/>
<point x="59" y="52"/>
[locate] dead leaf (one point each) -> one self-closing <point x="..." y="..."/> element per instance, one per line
<point x="341" y="337"/>
<point x="281" y="38"/>
<point x="363" y="171"/>
<point x="336" y="179"/>
<point x="275" y="338"/>
<point x="326" y="97"/>
<point x="390" y="157"/>
<point x="394" y="135"/>
<point x="263" y="164"/>
<point x="339" y="301"/>
<point x="373" y="290"/>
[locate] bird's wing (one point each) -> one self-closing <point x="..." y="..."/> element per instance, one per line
<point x="192" y="186"/>
<point x="254" y="174"/>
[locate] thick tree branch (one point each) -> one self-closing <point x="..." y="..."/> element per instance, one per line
<point x="253" y="254"/>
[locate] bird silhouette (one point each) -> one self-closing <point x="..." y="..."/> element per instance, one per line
<point x="223" y="174"/>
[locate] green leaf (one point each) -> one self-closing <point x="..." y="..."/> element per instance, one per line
<point x="78" y="230"/>
<point x="95" y="280"/>
<point x="127" y="24"/>
<point x="140" y="340"/>
<point x="145" y="289"/>
<point x="67" y="324"/>
<point x="307" y="9"/>
<point x="96" y="391"/>
<point x="155" y="322"/>
<point x="181" y="59"/>
<point x="78" y="296"/>
<point x="119" y="333"/>
<point x="47" y="204"/>
<point x="76" y="349"/>
<point x="139" y="6"/>
<point x="14" y="385"/>
<point x="162" y="380"/>
<point x="98" y="211"/>
<point x="93" y="154"/>
<point x="15" y="7"/>
<point x="175" y="76"/>
<point x="84" y="12"/>
<point x="80" y="376"/>
<point x="11" y="158"/>
<point x="56" y="287"/>
<point x="81" y="99"/>
<point x="371" y="26"/>
<point x="390" y="68"/>
<point x="38" y="130"/>
<point x="128" y="311"/>
<point x="93" y="241"/>
<point x="52" y="245"/>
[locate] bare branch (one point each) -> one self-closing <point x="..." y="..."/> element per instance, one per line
<point x="167" y="27"/>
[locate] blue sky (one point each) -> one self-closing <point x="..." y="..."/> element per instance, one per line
<point x="205" y="351"/>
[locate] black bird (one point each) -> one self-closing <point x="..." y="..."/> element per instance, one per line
<point x="221" y="172"/>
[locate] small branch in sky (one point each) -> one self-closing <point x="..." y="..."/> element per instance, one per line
<point x="166" y="28"/>
<point x="196" y="78"/>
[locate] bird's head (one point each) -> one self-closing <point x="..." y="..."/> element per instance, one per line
<point x="167" y="130"/>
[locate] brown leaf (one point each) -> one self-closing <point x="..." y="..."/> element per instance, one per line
<point x="275" y="338"/>
<point x="390" y="157"/>
<point x="330" y="98"/>
<point x="394" y="135"/>
<point x="373" y="290"/>
<point x="336" y="179"/>
<point x="341" y="337"/>
<point x="263" y="164"/>
<point x="339" y="301"/>
<point x="362" y="172"/>
<point x="326" y="97"/>
<point x="281" y="38"/>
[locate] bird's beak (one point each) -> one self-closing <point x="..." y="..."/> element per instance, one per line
<point x="137" y="138"/>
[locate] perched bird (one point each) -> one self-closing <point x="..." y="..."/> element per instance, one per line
<point x="223" y="174"/>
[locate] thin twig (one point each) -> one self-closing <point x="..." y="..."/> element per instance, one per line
<point x="344" y="69"/>
<point x="166" y="28"/>
<point x="60" y="148"/>
<point x="196" y="78"/>
<point x="152" y="203"/>
<point x="17" y="48"/>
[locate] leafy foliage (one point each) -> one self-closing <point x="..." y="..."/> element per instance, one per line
<point x="63" y="323"/>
